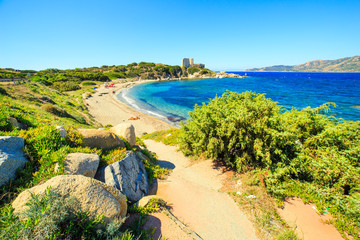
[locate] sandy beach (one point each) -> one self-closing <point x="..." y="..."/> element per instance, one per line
<point x="104" y="107"/>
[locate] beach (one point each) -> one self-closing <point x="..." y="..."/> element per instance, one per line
<point x="106" y="109"/>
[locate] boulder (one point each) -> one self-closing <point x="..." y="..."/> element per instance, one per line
<point x="95" y="138"/>
<point x="93" y="196"/>
<point x="145" y="200"/>
<point x="128" y="175"/>
<point x="12" y="157"/>
<point x="85" y="164"/>
<point x="16" y="124"/>
<point x="127" y="131"/>
<point x="62" y="131"/>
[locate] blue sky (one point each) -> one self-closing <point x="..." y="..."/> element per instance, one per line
<point x="225" y="35"/>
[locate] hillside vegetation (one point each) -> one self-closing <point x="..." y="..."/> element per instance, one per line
<point x="69" y="80"/>
<point x="39" y="109"/>
<point x="292" y="153"/>
<point x="348" y="64"/>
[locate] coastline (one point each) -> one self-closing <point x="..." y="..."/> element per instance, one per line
<point x="106" y="109"/>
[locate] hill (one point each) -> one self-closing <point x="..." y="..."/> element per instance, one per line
<point x="72" y="79"/>
<point x="348" y="64"/>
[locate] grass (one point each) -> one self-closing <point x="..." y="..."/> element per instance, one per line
<point x="260" y="209"/>
<point x="168" y="137"/>
<point x="52" y="216"/>
<point x="41" y="108"/>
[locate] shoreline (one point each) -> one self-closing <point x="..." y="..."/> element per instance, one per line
<point x="106" y="109"/>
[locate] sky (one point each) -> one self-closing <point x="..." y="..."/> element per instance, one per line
<point x="222" y="34"/>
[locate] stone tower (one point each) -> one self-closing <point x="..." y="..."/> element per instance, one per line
<point x="185" y="62"/>
<point x="191" y="60"/>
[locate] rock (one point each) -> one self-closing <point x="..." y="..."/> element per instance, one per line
<point x="85" y="164"/>
<point x="62" y="131"/>
<point x="127" y="131"/>
<point x="12" y="157"/>
<point x="95" y="138"/>
<point x="143" y="157"/>
<point x="16" y="124"/>
<point x="128" y="175"/>
<point x="94" y="197"/>
<point x="145" y="200"/>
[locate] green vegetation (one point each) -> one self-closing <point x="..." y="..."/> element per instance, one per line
<point x="142" y="215"/>
<point x="348" y="64"/>
<point x="296" y="153"/>
<point x="70" y="80"/>
<point x="39" y="108"/>
<point x="168" y="137"/>
<point x="261" y="209"/>
<point x="192" y="70"/>
<point x="51" y="216"/>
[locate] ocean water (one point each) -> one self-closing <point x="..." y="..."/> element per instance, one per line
<point x="172" y="100"/>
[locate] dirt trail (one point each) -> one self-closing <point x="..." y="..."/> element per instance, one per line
<point x="192" y="190"/>
<point x="309" y="225"/>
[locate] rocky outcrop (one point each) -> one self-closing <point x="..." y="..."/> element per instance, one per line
<point x="16" y="124"/>
<point x="12" y="157"/>
<point x="127" y="131"/>
<point x="85" y="164"/>
<point x="93" y="196"/>
<point x="95" y="138"/>
<point x="128" y="175"/>
<point x="62" y="131"/>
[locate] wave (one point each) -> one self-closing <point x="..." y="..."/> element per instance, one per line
<point x="146" y="108"/>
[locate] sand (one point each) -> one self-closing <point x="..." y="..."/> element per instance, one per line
<point x="193" y="192"/>
<point x="308" y="223"/>
<point x="107" y="110"/>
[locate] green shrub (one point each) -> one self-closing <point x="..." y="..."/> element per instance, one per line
<point x="66" y="86"/>
<point x="204" y="71"/>
<point x="240" y="129"/>
<point x="3" y="92"/>
<point x="88" y="83"/>
<point x="299" y="152"/>
<point x="168" y="137"/>
<point x="51" y="216"/>
<point x="42" y="141"/>
<point x="56" y="111"/>
<point x="192" y="70"/>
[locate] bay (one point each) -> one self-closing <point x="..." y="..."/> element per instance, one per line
<point x="172" y="100"/>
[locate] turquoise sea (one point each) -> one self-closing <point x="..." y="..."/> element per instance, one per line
<point x="172" y="100"/>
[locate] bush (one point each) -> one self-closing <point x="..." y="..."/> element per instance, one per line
<point x="56" y="111"/>
<point x="3" y="92"/>
<point x="66" y="86"/>
<point x="88" y="83"/>
<point x="299" y="152"/>
<point x="192" y="70"/>
<point x="51" y="216"/>
<point x="237" y="128"/>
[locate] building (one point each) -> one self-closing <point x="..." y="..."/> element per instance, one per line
<point x="199" y="65"/>
<point x="185" y="62"/>
<point x="189" y="62"/>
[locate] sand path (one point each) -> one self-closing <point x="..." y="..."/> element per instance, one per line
<point x="307" y="223"/>
<point x="192" y="190"/>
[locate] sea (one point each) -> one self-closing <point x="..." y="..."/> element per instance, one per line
<point x="172" y="100"/>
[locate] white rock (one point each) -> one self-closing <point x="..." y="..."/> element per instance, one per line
<point x="12" y="157"/>
<point x="62" y="131"/>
